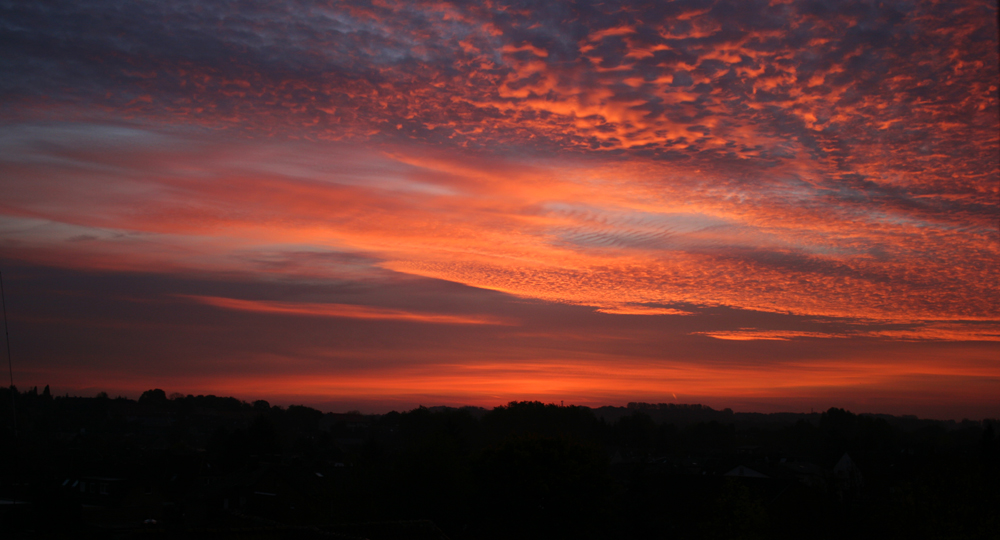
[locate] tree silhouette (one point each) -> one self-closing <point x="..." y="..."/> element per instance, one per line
<point x="155" y="397"/>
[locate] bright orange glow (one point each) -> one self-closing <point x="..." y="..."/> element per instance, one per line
<point x="597" y="383"/>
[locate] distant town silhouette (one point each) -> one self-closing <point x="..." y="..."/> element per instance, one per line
<point x="217" y="467"/>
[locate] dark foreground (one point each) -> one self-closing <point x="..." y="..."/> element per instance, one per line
<point x="210" y="467"/>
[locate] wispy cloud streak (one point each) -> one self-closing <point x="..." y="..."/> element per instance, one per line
<point x="340" y="310"/>
<point x="923" y="332"/>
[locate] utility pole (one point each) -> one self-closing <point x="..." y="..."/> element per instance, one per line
<point x="10" y="369"/>
<point x="10" y="365"/>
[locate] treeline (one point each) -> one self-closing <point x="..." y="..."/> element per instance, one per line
<point x="207" y="466"/>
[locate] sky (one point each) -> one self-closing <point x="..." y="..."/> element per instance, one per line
<point x="374" y="205"/>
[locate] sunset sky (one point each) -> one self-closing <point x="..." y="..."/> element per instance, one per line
<point x="768" y="206"/>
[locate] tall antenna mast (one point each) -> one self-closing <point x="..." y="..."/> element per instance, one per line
<point x="10" y="369"/>
<point x="10" y="365"/>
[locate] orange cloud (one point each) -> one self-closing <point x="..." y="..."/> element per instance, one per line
<point x="561" y="231"/>
<point x="341" y="310"/>
<point x="751" y="334"/>
<point x="928" y="331"/>
<point x="642" y="310"/>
